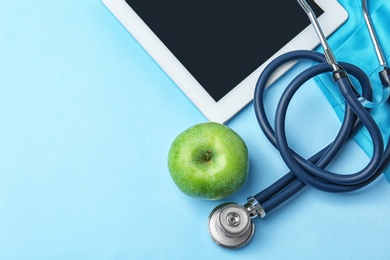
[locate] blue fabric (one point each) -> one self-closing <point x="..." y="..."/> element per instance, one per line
<point x="351" y="43"/>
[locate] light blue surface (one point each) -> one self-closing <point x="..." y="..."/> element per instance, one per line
<point x="86" y="121"/>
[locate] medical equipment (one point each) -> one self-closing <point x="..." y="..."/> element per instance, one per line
<point x="231" y="225"/>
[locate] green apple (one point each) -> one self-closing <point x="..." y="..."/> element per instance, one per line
<point x="208" y="161"/>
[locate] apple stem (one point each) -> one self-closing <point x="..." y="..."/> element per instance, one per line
<point x="208" y="153"/>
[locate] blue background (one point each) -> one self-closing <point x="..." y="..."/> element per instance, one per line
<point x="86" y="122"/>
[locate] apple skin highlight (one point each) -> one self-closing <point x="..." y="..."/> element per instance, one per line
<point x="208" y="161"/>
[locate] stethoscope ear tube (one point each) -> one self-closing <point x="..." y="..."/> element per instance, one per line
<point x="384" y="75"/>
<point x="306" y="171"/>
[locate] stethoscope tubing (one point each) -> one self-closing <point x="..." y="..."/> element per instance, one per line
<point x="299" y="165"/>
<point x="311" y="172"/>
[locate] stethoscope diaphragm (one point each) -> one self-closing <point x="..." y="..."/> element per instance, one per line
<point x="231" y="226"/>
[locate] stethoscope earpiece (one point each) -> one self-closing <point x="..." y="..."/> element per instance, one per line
<point x="231" y="226"/>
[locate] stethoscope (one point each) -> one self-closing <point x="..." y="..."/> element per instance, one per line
<point x="231" y="225"/>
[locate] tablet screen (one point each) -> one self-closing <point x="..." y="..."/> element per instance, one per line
<point x="221" y="42"/>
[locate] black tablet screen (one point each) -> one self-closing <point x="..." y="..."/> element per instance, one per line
<point x="221" y="42"/>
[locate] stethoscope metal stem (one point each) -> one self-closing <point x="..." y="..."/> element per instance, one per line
<point x="324" y="43"/>
<point x="330" y="58"/>
<point x="373" y="35"/>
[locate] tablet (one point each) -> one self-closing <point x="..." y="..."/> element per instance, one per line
<point x="215" y="50"/>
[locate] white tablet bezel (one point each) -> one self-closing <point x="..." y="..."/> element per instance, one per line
<point x="334" y="15"/>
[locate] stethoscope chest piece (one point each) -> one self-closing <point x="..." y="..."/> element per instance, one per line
<point x="230" y="225"/>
